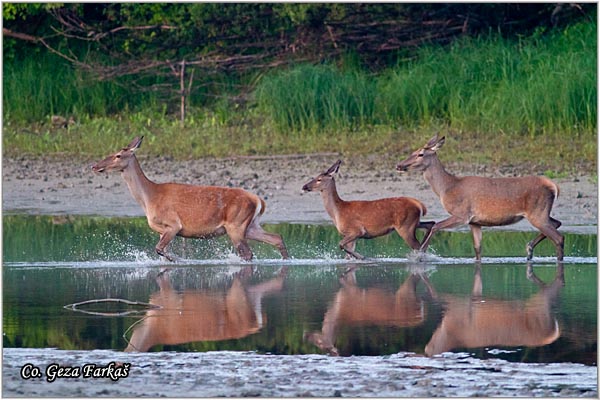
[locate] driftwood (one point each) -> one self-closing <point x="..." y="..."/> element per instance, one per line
<point x="75" y="307"/>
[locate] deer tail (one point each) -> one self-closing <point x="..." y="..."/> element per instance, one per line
<point x="261" y="206"/>
<point x="423" y="209"/>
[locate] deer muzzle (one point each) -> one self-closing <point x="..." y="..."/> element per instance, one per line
<point x="401" y="167"/>
<point x="97" y="169"/>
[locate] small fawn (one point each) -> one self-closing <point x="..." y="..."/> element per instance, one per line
<point x="369" y="219"/>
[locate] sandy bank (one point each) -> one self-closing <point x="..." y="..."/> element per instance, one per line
<point x="38" y="186"/>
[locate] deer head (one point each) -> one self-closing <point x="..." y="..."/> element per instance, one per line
<point x="421" y="158"/>
<point x="120" y="160"/>
<point x="323" y="181"/>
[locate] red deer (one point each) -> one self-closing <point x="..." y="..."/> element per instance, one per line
<point x="479" y="201"/>
<point x="202" y="315"/>
<point x="471" y="323"/>
<point x="191" y="211"/>
<point x="368" y="219"/>
<point x="353" y="306"/>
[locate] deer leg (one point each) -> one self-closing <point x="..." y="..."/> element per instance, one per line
<point x="240" y="244"/>
<point x="325" y="340"/>
<point x="237" y="234"/>
<point x="531" y="245"/>
<point x="256" y="232"/>
<point x="165" y="239"/>
<point x="347" y="244"/>
<point x="428" y="286"/>
<point x="427" y="226"/>
<point x="476" y="231"/>
<point x="243" y="249"/>
<point x="445" y="224"/>
<point x="409" y="236"/>
<point x="348" y="278"/>
<point x="477" y="290"/>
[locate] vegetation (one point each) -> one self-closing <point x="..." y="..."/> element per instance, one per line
<point x="536" y="85"/>
<point x="529" y="88"/>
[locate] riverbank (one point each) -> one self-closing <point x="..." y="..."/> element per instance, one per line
<point x="63" y="187"/>
<point x="246" y="374"/>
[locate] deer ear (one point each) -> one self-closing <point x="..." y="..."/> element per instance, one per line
<point x="135" y="143"/>
<point x="438" y="145"/>
<point x="334" y="168"/>
<point x="431" y="142"/>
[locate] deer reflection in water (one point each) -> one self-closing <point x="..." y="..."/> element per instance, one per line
<point x="203" y="315"/>
<point x="477" y="322"/>
<point x="353" y="306"/>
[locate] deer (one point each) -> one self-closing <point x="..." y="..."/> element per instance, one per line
<point x="368" y="219"/>
<point x="474" y="321"/>
<point x="191" y="211"/>
<point x="481" y="201"/>
<point x="355" y="306"/>
<point x="208" y="314"/>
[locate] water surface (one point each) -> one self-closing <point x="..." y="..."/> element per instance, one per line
<point x="315" y="303"/>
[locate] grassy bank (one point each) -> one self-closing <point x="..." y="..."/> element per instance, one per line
<point x="530" y="101"/>
<point x="538" y="85"/>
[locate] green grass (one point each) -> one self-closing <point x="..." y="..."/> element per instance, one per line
<point x="531" y="101"/>
<point x="309" y="98"/>
<point x="38" y="87"/>
<point x="538" y="85"/>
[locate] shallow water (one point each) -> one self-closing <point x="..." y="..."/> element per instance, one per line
<point x="315" y="303"/>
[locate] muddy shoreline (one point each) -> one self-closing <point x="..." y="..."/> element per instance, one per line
<point x="63" y="187"/>
<point x="247" y="374"/>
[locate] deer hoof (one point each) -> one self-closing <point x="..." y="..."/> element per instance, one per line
<point x="165" y="255"/>
<point x="529" y="250"/>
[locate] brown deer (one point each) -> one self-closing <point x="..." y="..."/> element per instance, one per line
<point x="368" y="219"/>
<point x="203" y="315"/>
<point x="190" y="211"/>
<point x="470" y="322"/>
<point x="479" y="201"/>
<point x="353" y="306"/>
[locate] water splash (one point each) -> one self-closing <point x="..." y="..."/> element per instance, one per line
<point x="142" y="259"/>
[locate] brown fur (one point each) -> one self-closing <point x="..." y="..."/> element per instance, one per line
<point x="174" y="209"/>
<point x="479" y="201"/>
<point x="369" y="219"/>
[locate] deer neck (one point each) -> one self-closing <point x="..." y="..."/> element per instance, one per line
<point x="141" y="188"/>
<point x="438" y="178"/>
<point x="332" y="201"/>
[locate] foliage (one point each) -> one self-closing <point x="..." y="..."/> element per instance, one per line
<point x="535" y="85"/>
<point x="150" y="39"/>
<point x="509" y="81"/>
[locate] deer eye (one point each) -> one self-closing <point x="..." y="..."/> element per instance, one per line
<point x="118" y="156"/>
<point x="420" y="155"/>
